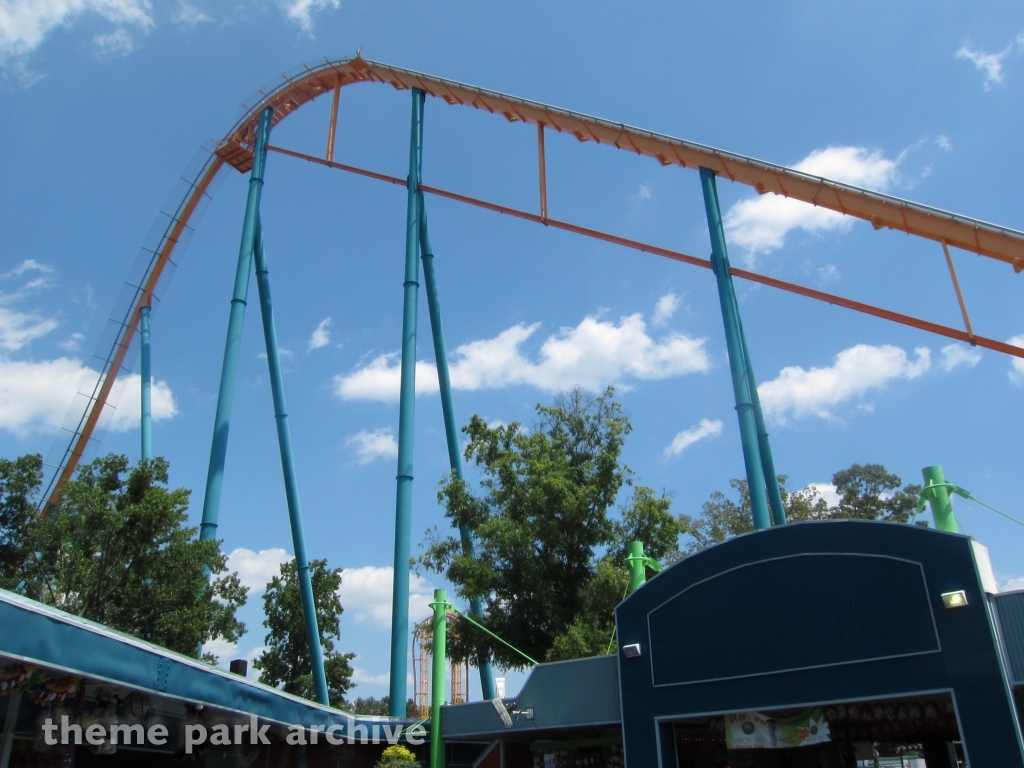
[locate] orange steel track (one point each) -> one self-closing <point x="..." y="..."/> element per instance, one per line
<point x="949" y="229"/>
<point x="696" y="261"/>
<point x="92" y="415"/>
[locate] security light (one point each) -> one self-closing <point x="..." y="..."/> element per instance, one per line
<point x="956" y="599"/>
<point x="631" y="651"/>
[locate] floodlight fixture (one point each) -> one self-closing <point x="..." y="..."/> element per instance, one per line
<point x="956" y="599"/>
<point x="631" y="651"/>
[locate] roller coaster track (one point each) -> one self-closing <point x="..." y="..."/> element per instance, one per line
<point x="236" y="150"/>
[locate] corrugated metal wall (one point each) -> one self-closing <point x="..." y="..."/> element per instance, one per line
<point x="1010" y="610"/>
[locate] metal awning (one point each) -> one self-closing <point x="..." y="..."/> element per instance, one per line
<point x="39" y="635"/>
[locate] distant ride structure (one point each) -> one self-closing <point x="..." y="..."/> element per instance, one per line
<point x="245" y="148"/>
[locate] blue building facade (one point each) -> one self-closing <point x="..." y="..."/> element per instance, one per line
<point x="890" y="633"/>
<point x="813" y="614"/>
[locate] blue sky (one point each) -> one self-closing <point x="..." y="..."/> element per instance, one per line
<point x="107" y="101"/>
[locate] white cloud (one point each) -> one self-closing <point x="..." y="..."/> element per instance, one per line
<point x="189" y="15"/>
<point x="301" y="11"/>
<point x="28" y="265"/>
<point x="73" y="343"/>
<point x="943" y="143"/>
<point x="1011" y="585"/>
<point x="360" y="675"/>
<point x="957" y="355"/>
<point x="1017" y="363"/>
<point x="128" y="415"/>
<point x="226" y="652"/>
<point x="592" y="355"/>
<point x="760" y="224"/>
<point x="36" y="396"/>
<point x="644" y="192"/>
<point x="798" y="392"/>
<point x="19" y="328"/>
<point x="222" y="649"/>
<point x="24" y="24"/>
<point x="379" y="380"/>
<point x="688" y="437"/>
<point x="321" y="336"/>
<point x="256" y="569"/>
<point x="828" y="274"/>
<point x="366" y="592"/>
<point x="281" y="352"/>
<point x="989" y="64"/>
<point x="664" y="309"/>
<point x="116" y="43"/>
<point x="379" y="444"/>
<point x="825" y="491"/>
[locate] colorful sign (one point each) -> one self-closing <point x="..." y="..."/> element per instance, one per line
<point x="752" y="730"/>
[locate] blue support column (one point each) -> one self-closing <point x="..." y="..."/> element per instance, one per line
<point x="406" y="418"/>
<point x="225" y="397"/>
<point x="291" y="487"/>
<point x="451" y="429"/>
<point x="737" y="360"/>
<point x="771" y="479"/>
<point x="146" y="427"/>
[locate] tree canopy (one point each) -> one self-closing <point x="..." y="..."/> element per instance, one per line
<point x="548" y="547"/>
<point x="286" y="662"/>
<point x="118" y="551"/>
<point x="866" y="492"/>
<point x="381" y="706"/>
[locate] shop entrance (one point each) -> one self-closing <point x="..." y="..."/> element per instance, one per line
<point x="908" y="732"/>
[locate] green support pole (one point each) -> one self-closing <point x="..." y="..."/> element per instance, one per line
<point x="146" y="427"/>
<point x="771" y="479"/>
<point x="939" y="500"/>
<point x="637" y="562"/>
<point x="406" y="417"/>
<point x="451" y="429"/>
<point x="440" y="627"/>
<point x="737" y="361"/>
<point x="291" y="486"/>
<point x="225" y="397"/>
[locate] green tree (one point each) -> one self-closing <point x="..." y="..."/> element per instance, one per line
<point x="381" y="706"/>
<point x="866" y="492"/>
<point x="286" y="663"/>
<point x="119" y="551"/>
<point x="871" y="492"/>
<point x="19" y="481"/>
<point x="548" y="564"/>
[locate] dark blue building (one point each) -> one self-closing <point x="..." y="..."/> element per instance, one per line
<point x="866" y="632"/>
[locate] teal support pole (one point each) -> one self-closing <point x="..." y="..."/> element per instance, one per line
<point x="439" y="642"/>
<point x="146" y="428"/>
<point x="771" y="479"/>
<point x="291" y="487"/>
<point x="938" y="499"/>
<point x="737" y="363"/>
<point x="406" y="418"/>
<point x="225" y="397"/>
<point x="451" y="429"/>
